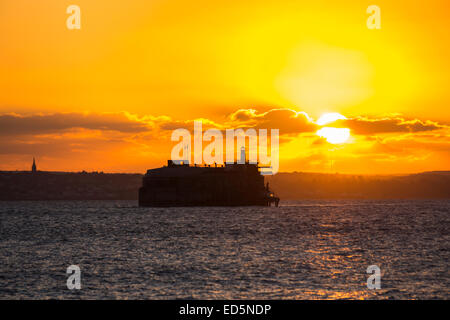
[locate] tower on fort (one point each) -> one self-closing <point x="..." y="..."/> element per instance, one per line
<point x="243" y="159"/>
<point x="33" y="167"/>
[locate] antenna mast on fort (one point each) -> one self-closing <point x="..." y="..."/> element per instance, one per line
<point x="187" y="154"/>
<point x="242" y="160"/>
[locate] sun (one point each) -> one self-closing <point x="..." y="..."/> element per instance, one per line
<point x="330" y="117"/>
<point x="334" y="135"/>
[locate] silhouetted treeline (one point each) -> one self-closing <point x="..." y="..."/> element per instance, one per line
<point x="68" y="186"/>
<point x="298" y="185"/>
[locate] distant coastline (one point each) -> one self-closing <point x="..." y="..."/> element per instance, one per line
<point x="302" y="185"/>
<point x="46" y="185"/>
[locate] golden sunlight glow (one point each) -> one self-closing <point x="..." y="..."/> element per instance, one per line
<point x="319" y="75"/>
<point x="330" y="117"/>
<point x="334" y="135"/>
<point x="107" y="96"/>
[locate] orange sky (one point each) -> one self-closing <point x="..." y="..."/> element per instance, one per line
<point x="106" y="97"/>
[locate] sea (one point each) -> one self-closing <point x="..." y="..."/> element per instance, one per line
<point x="300" y="250"/>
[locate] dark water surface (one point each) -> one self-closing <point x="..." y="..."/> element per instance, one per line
<point x="302" y="250"/>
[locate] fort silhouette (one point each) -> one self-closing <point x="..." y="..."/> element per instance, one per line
<point x="179" y="185"/>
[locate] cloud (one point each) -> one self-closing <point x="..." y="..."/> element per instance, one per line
<point x="412" y="145"/>
<point x="373" y="126"/>
<point x="113" y="139"/>
<point x="168" y="124"/>
<point x="51" y="146"/>
<point x="288" y="121"/>
<point x="15" y="124"/>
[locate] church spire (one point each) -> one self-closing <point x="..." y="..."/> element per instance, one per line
<point x="33" y="167"/>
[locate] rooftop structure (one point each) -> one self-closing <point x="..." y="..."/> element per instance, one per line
<point x="180" y="184"/>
